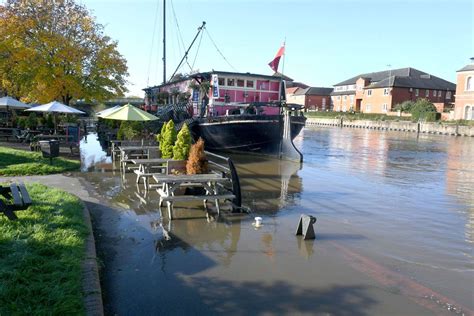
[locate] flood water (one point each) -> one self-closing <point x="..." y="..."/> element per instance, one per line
<point x="394" y="233"/>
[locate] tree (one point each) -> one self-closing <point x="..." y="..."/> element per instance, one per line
<point x="55" y="50"/>
<point x="423" y="109"/>
<point x="183" y="144"/>
<point x="167" y="138"/>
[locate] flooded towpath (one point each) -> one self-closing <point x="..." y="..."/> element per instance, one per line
<point x="394" y="233"/>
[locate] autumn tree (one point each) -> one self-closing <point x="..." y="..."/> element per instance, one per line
<point x="55" y="50"/>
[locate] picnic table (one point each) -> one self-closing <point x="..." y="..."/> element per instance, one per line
<point x="168" y="185"/>
<point x="145" y="166"/>
<point x="129" y="152"/>
<point x="16" y="199"/>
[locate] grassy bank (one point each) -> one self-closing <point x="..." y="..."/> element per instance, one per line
<point x="41" y="255"/>
<point x="15" y="162"/>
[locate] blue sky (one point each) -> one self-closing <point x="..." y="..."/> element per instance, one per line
<point x="326" y="41"/>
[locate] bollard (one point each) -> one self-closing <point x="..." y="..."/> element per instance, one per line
<point x="305" y="226"/>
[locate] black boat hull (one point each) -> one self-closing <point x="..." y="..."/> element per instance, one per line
<point x="260" y="134"/>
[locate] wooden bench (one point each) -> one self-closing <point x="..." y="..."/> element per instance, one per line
<point x="17" y="198"/>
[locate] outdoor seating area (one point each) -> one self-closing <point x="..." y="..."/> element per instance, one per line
<point x="168" y="176"/>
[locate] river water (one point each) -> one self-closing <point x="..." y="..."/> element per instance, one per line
<point x="394" y="233"/>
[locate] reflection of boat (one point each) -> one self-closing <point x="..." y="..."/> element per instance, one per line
<point x="268" y="184"/>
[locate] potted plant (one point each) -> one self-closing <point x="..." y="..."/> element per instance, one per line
<point x="197" y="164"/>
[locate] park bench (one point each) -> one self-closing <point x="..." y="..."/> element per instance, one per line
<point x="16" y="199"/>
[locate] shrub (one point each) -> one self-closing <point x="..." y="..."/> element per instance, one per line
<point x="21" y="122"/>
<point x="167" y="138"/>
<point x="32" y="121"/>
<point x="183" y="144"/>
<point x="129" y="130"/>
<point x="405" y="106"/>
<point x="197" y="162"/>
<point x="421" y="108"/>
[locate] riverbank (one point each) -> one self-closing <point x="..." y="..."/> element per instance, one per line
<point x="405" y="126"/>
<point x="41" y="255"/>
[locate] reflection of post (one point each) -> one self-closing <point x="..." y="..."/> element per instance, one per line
<point x="305" y="247"/>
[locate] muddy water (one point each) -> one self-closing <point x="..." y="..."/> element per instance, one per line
<point x="393" y="233"/>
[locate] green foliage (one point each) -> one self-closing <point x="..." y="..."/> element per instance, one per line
<point x="421" y="109"/>
<point x="50" y="121"/>
<point x="32" y="121"/>
<point x="405" y="106"/>
<point x="42" y="253"/>
<point x="21" y="163"/>
<point x="183" y="144"/>
<point x="55" y="50"/>
<point x="167" y="138"/>
<point x="130" y="130"/>
<point x="21" y="122"/>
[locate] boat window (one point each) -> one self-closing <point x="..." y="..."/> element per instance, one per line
<point x="221" y="81"/>
<point x="250" y="84"/>
<point x="230" y="82"/>
<point x="240" y="83"/>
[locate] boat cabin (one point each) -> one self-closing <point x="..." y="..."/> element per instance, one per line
<point x="219" y="93"/>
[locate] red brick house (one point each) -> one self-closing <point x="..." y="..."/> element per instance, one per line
<point x="313" y="98"/>
<point x="464" y="105"/>
<point x="380" y="92"/>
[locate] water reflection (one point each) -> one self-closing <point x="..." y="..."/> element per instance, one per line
<point x="92" y="154"/>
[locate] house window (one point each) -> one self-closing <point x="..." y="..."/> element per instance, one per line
<point x="384" y="107"/>
<point x="417" y="92"/>
<point x="352" y="99"/>
<point x="344" y="108"/>
<point x="434" y="93"/>
<point x="386" y="91"/>
<point x="250" y="84"/>
<point x="221" y="81"/>
<point x="324" y="103"/>
<point x="367" y="108"/>
<point x="439" y="93"/>
<point x="230" y="82"/>
<point x="339" y="97"/>
<point x="345" y="97"/>
<point x="469" y="84"/>
<point x="427" y="93"/>
<point x="240" y="83"/>
<point x="448" y="95"/>
<point x="369" y="93"/>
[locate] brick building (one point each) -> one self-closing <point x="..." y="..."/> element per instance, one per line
<point x="464" y="105"/>
<point x="380" y="92"/>
<point x="312" y="98"/>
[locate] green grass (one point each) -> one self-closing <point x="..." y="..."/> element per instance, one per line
<point x="41" y="255"/>
<point x="15" y="162"/>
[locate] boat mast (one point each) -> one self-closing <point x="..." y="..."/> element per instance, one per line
<point x="164" y="41"/>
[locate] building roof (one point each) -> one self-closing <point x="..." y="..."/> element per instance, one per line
<point x="314" y="91"/>
<point x="284" y="77"/>
<point x="290" y="84"/>
<point x="467" y="68"/>
<point x="403" y="77"/>
<point x="292" y="90"/>
<point x="347" y="92"/>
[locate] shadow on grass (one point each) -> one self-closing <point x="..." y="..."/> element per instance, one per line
<point x="41" y="255"/>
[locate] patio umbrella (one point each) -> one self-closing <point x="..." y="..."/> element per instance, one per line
<point x="129" y="112"/>
<point x="55" y="107"/>
<point x="107" y="111"/>
<point x="12" y="103"/>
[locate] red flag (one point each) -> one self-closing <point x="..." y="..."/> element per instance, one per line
<point x="274" y="63"/>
